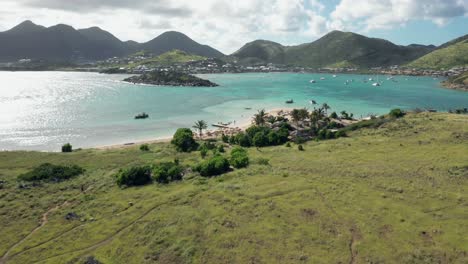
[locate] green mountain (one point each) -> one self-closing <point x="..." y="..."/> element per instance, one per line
<point x="449" y="55"/>
<point x="172" y="40"/>
<point x="64" y="43"/>
<point x="260" y="51"/>
<point x="334" y="49"/>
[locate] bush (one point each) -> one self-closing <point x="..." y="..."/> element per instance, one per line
<point x="167" y="172"/>
<point x="263" y="161"/>
<point x="239" y="158"/>
<point x="134" y="176"/>
<point x="217" y="165"/>
<point x="254" y="130"/>
<point x="322" y="134"/>
<point x="243" y="140"/>
<point x="203" y="152"/>
<point x="341" y="133"/>
<point x="183" y="140"/>
<point x="221" y="149"/>
<point x="288" y="145"/>
<point x="50" y="172"/>
<point x="232" y="140"/>
<point x="225" y="138"/>
<point x="260" y="140"/>
<point x="334" y="115"/>
<point x="329" y="135"/>
<point x="300" y="148"/>
<point x="144" y="147"/>
<point x="397" y="113"/>
<point x="67" y="148"/>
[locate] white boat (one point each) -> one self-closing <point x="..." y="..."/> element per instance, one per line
<point x="323" y="78"/>
<point x="376" y="84"/>
<point x="334" y="76"/>
<point x="312" y="81"/>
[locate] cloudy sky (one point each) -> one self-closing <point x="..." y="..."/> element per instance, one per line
<point x="228" y="24"/>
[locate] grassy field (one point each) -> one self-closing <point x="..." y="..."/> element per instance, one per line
<point x="396" y="194"/>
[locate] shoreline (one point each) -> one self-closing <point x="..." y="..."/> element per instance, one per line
<point x="208" y="134"/>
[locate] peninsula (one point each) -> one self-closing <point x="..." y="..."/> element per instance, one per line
<point x="170" y="78"/>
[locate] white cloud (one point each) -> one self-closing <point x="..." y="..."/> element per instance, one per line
<point x="384" y="14"/>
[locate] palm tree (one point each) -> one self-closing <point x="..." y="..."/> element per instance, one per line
<point x="260" y="117"/>
<point x="326" y="107"/>
<point x="200" y="125"/>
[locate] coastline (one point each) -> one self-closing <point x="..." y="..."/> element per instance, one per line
<point x="208" y="134"/>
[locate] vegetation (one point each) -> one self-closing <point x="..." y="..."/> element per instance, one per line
<point x="170" y="78"/>
<point x="453" y="55"/>
<point x="239" y="158"/>
<point x="50" y="172"/>
<point x="183" y="140"/>
<point x="67" y="148"/>
<point x="214" y="166"/>
<point x="167" y="172"/>
<point x="200" y="125"/>
<point x="168" y="58"/>
<point x="134" y="176"/>
<point x="144" y="147"/>
<point x="397" y="113"/>
<point x="392" y="193"/>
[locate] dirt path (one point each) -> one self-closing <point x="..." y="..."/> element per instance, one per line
<point x="44" y="221"/>
<point x="111" y="237"/>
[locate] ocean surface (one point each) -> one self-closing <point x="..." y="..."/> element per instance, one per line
<point x="44" y="110"/>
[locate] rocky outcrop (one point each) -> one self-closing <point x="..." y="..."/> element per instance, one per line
<point x="170" y="79"/>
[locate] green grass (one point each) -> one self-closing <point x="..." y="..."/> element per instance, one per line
<point x="169" y="58"/>
<point x="395" y="194"/>
<point x="445" y="58"/>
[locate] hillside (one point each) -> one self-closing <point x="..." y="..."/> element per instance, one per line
<point x="396" y="194"/>
<point x="64" y="43"/>
<point x="449" y="55"/>
<point x="172" y="40"/>
<point x="459" y="82"/>
<point x="170" y="58"/>
<point x="261" y="51"/>
<point x="336" y="48"/>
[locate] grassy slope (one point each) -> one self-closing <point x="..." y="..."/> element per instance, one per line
<point x="445" y="58"/>
<point x="395" y="195"/>
<point x="170" y="58"/>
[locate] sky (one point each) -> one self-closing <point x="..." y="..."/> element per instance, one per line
<point x="228" y="24"/>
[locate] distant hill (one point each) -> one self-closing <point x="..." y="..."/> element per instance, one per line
<point x="170" y="58"/>
<point x="261" y="51"/>
<point x="64" y="43"/>
<point x="335" y="49"/>
<point x="451" y="54"/>
<point x="172" y="40"/>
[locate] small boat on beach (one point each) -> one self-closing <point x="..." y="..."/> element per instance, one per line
<point x="290" y="101"/>
<point x="142" y="116"/>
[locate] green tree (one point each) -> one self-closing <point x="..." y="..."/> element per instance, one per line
<point x="326" y="107"/>
<point x="239" y="158"/>
<point x="183" y="140"/>
<point x="200" y="125"/>
<point x="67" y="148"/>
<point x="259" y="118"/>
<point x="260" y="140"/>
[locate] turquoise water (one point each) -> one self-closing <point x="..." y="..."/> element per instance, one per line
<point x="43" y="110"/>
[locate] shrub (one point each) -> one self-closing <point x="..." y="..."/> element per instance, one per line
<point x="67" y="148"/>
<point x="334" y="115"/>
<point x="299" y="140"/>
<point x="51" y="172"/>
<point x="260" y="140"/>
<point x="203" y="152"/>
<point x="322" y="134"/>
<point x="263" y="161"/>
<point x="134" y="176"/>
<point x="144" y="147"/>
<point x="397" y="113"/>
<point x="232" y="140"/>
<point x="300" y="148"/>
<point x="221" y="149"/>
<point x="217" y="165"/>
<point x="253" y="130"/>
<point x="167" y="172"/>
<point x="243" y="140"/>
<point x="341" y="133"/>
<point x="239" y="158"/>
<point x="288" y="145"/>
<point x="225" y="138"/>
<point x="207" y="145"/>
<point x="183" y="140"/>
<point x="329" y="135"/>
